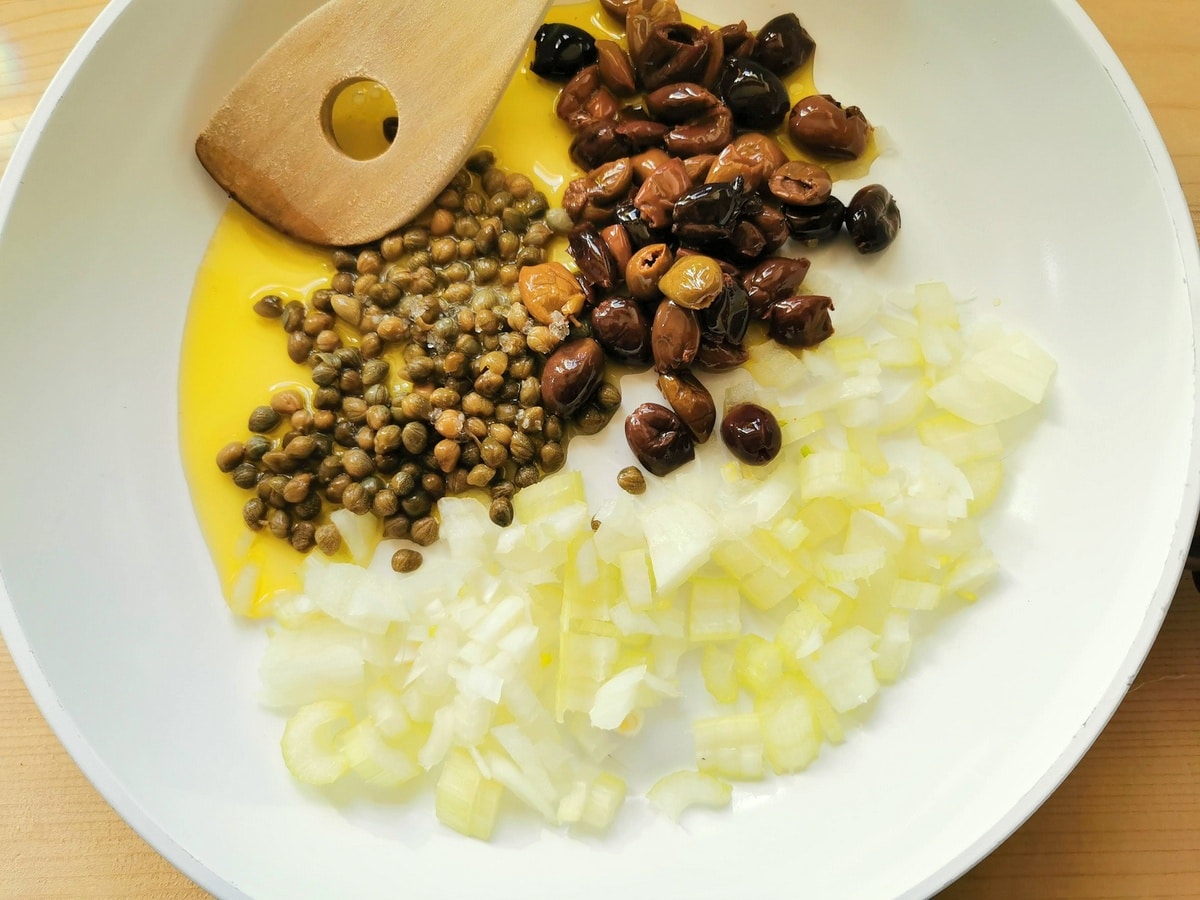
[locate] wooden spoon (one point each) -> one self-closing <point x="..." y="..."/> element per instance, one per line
<point x="271" y="146"/>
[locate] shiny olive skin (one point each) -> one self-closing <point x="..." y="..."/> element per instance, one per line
<point x="802" y="321"/>
<point x="721" y="356"/>
<point x="659" y="439"/>
<point x="727" y="319"/>
<point x="772" y="280"/>
<point x="752" y="434"/>
<point x="813" y="224"/>
<point x="691" y="401"/>
<point x="674" y="337"/>
<point x="783" y="45"/>
<point x="622" y="328"/>
<point x="571" y="375"/>
<point x="637" y="228"/>
<point x="820" y="124"/>
<point x="754" y="94"/>
<point x="559" y="51"/>
<point x="873" y="219"/>
<point x="710" y="213"/>
<point x="591" y="256"/>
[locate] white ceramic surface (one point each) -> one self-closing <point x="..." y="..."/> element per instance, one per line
<point x="1027" y="168"/>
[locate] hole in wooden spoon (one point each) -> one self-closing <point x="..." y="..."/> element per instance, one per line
<point x="362" y="119"/>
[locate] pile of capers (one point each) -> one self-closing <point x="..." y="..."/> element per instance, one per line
<point x="425" y="369"/>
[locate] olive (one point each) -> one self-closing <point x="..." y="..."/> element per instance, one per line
<point x="709" y="213"/>
<point x="872" y="218"/>
<point x="821" y="124"/>
<point x="591" y="256"/>
<point x="752" y="434"/>
<point x="773" y="225"/>
<point x="753" y="93"/>
<point x="622" y="328"/>
<point x="800" y="321"/>
<point x="754" y="156"/>
<point x="646" y="268"/>
<point x="783" y="45"/>
<point x="639" y="230"/>
<point x="691" y="401"/>
<point x="815" y="223"/>
<point x="800" y="183"/>
<point x="659" y="439"/>
<point x="559" y="51"/>
<point x="772" y="280"/>
<point x="693" y="282"/>
<point x="721" y="356"/>
<point x="674" y="337"/>
<point x="571" y="375"/>
<point x="727" y="319"/>
<point x="599" y="142"/>
<point x="672" y="52"/>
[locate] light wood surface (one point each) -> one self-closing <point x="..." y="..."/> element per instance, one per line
<point x="1125" y="824"/>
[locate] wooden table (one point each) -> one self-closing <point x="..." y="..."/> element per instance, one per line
<point x="1125" y="824"/>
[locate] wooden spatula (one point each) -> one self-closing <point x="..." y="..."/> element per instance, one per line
<point x="446" y="64"/>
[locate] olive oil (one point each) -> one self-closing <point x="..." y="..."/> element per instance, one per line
<point x="233" y="360"/>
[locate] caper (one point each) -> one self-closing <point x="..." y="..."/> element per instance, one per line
<point x="269" y="307"/>
<point x="396" y="528"/>
<point x="303" y="536"/>
<point x="245" y="476"/>
<point x="526" y="476"/>
<point x="329" y="539"/>
<point x="385" y="503"/>
<point x="263" y="419"/>
<point x="552" y="456"/>
<point x="308" y="508"/>
<point x="404" y="561"/>
<point x="230" y="456"/>
<point x="279" y="523"/>
<point x="254" y="512"/>
<point x="631" y="480"/>
<point x="424" y="531"/>
<point x="417" y="505"/>
<point x="501" y="511"/>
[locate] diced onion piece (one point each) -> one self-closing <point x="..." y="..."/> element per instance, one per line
<point x="310" y="743"/>
<point x="843" y="669"/>
<point x="898" y="353"/>
<point x="636" y="579"/>
<point x="714" y="613"/>
<point x="465" y="800"/>
<point x="720" y="677"/>
<point x="971" y="573"/>
<point x="766" y="588"/>
<point x="959" y="440"/>
<point x="680" y="535"/>
<point x="893" y="648"/>
<point x="616" y="698"/>
<point x="986" y="477"/>
<point x="360" y="534"/>
<point x="830" y="473"/>
<point x="1019" y="364"/>
<point x="679" y="791"/>
<point x="758" y="663"/>
<point x="593" y="804"/>
<point x="774" y="366"/>
<point x="910" y="594"/>
<point x="730" y="746"/>
<point x="790" y="735"/>
<point x="322" y="661"/>
<point x="373" y="759"/>
<point x="803" y="631"/>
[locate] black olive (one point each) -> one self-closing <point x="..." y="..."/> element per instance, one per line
<point x="659" y="439"/>
<point x="622" y="328"/>
<point x="592" y="257"/>
<point x="783" y="45"/>
<point x="872" y="218"/>
<point x="815" y="223"/>
<point x="754" y="94"/>
<point x="710" y="213"/>
<point x="640" y="233"/>
<point x="559" y="51"/>
<point x="728" y="317"/>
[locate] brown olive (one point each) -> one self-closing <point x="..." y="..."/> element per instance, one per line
<point x="771" y="280"/>
<point x="673" y="52"/>
<point x="571" y="375"/>
<point x="698" y="167"/>
<point x="599" y="141"/>
<point x="707" y="216"/>
<point x="640" y="233"/>
<point x="737" y="39"/>
<point x="772" y="225"/>
<point x="821" y="124"/>
<point x="754" y="94"/>
<point x="591" y="256"/>
<point x="616" y="71"/>
<point x="674" y="337"/>
<point x="618" y="8"/>
<point x="754" y="156"/>
<point x="872" y="218"/>
<point x="656" y="197"/>
<point x="622" y="328"/>
<point x="721" y="356"/>
<point x="643" y="17"/>
<point x="802" y="321"/>
<point x="801" y="184"/>
<point x="616" y="239"/>
<point x="646" y="267"/>
<point x="659" y="439"/>
<point x="752" y="434"/>
<point x="691" y="401"/>
<point x="813" y="224"/>
<point x="783" y="45"/>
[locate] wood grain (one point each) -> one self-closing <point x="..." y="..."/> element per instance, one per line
<point x="1125" y="824"/>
